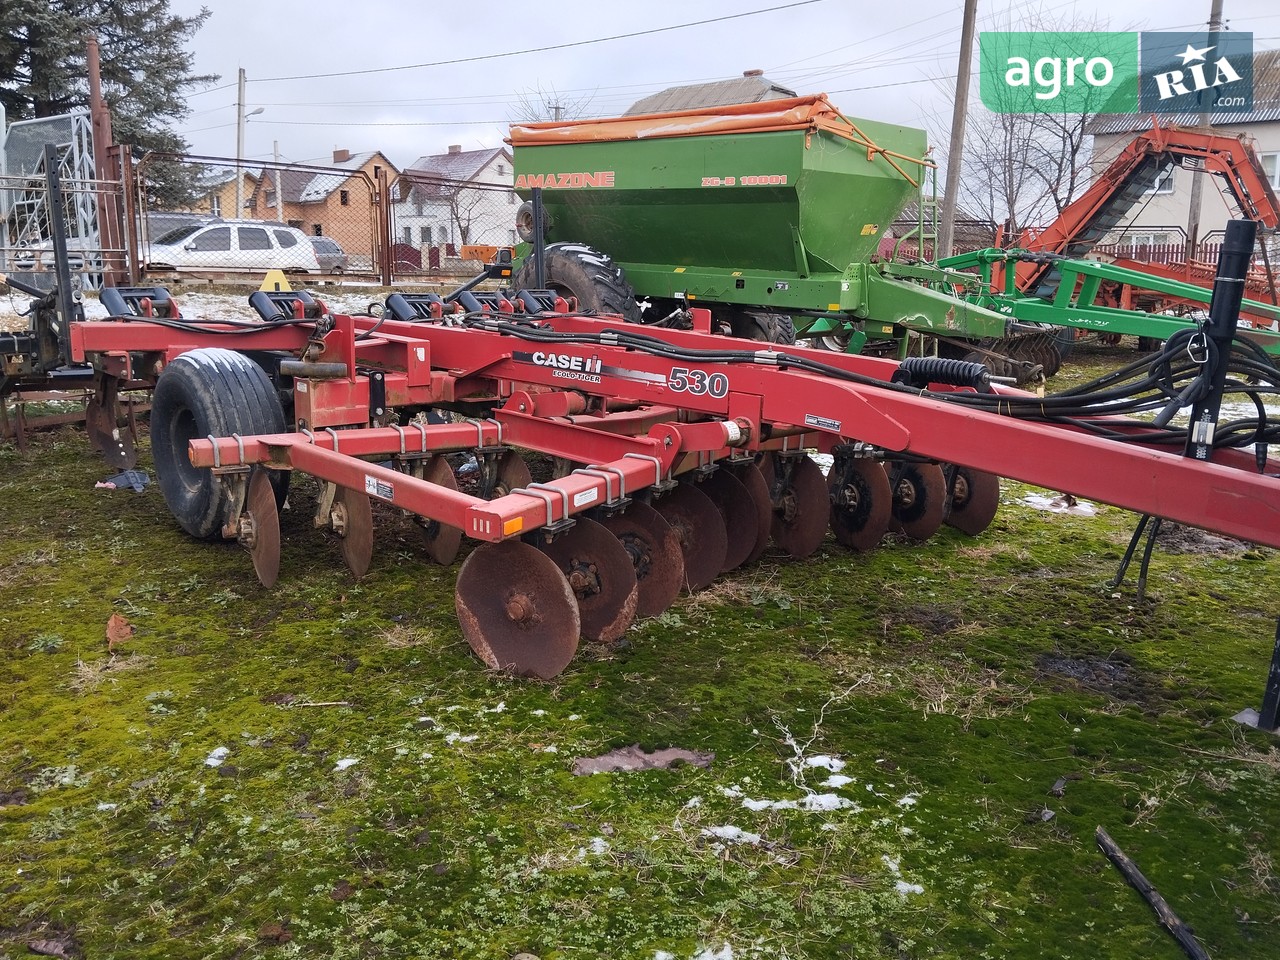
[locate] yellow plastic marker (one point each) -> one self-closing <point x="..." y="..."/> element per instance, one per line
<point x="275" y="281"/>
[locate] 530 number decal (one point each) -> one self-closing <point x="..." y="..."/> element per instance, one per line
<point x="698" y="382"/>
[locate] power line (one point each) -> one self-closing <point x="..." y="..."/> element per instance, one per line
<point x="557" y="46"/>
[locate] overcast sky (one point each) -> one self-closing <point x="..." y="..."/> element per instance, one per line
<point x="408" y="92"/>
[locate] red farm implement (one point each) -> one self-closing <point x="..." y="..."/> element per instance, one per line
<point x="681" y="453"/>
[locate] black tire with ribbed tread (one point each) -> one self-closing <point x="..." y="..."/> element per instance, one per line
<point x="576" y="270"/>
<point x="768" y="327"/>
<point x="208" y="392"/>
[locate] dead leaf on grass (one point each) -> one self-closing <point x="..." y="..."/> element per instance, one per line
<point x="119" y="629"/>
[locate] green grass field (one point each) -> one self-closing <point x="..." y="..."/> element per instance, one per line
<point x="324" y="770"/>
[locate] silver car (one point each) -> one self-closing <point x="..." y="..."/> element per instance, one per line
<point x="329" y="255"/>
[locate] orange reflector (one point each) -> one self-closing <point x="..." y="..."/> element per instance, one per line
<point x="512" y="526"/>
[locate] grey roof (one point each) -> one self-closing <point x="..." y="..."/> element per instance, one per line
<point x="463" y="165"/>
<point x="1266" y="104"/>
<point x="744" y="89"/>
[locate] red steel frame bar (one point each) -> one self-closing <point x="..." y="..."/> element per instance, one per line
<point x="425" y="364"/>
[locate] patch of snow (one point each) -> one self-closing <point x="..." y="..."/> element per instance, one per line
<point x="724" y="953"/>
<point x="811" y="802"/>
<point x="344" y="763"/>
<point x="574" y="716"/>
<point x="905" y="888"/>
<point x="663" y="955"/>
<point x="216" y="756"/>
<point x="825" y="762"/>
<point x="539" y="713"/>
<point x="733" y="834"/>
<point x="598" y="845"/>
<point x="1060" y="504"/>
<point x="909" y="800"/>
<point x="502" y="706"/>
<point x="824" y="801"/>
<point x="107" y="806"/>
<point x="693" y="802"/>
<point x="460" y="738"/>
<point x="837" y="780"/>
<point x="551" y="748"/>
<point x="892" y="864"/>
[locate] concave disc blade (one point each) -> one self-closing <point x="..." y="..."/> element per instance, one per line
<point x="513" y="474"/>
<point x="655" y="554"/>
<point x="601" y="576"/>
<point x="441" y="540"/>
<point x="861" y="502"/>
<point x="919" y="499"/>
<point x="758" y="489"/>
<point x="800" y="517"/>
<point x="700" y="530"/>
<point x="741" y="520"/>
<point x="264" y="544"/>
<point x="975" y="497"/>
<point x="516" y="609"/>
<point x="357" y="533"/>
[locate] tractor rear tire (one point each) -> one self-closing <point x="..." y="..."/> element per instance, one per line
<point x="768" y="327"/>
<point x="576" y="270"/>
<point x="208" y="392"/>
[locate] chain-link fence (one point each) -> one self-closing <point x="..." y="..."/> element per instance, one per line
<point x="435" y="220"/>
<point x="217" y="218"/>
<point x="173" y="217"/>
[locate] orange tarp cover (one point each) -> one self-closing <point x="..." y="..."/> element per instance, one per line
<point x="795" y="113"/>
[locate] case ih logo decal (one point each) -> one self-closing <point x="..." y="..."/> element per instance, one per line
<point x="566" y="366"/>
<point x="564" y="181"/>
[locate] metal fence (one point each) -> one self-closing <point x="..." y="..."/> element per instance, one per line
<point x="174" y="218"/>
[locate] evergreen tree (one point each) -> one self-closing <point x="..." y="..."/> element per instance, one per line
<point x="146" y="67"/>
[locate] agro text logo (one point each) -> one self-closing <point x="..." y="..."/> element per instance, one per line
<point x="1058" y="72"/>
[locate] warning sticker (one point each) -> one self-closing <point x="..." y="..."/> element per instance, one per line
<point x="378" y="488"/>
<point x="585" y="497"/>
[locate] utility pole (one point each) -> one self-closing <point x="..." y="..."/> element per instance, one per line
<point x="1197" y="178"/>
<point x="947" y="228"/>
<point x="239" y="145"/>
<point x="279" y="175"/>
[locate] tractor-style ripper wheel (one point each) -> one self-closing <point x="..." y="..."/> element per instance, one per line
<point x="861" y="502"/>
<point x="800" y="510"/>
<point x="517" y="609"/>
<point x="738" y="509"/>
<point x="758" y="489"/>
<point x="975" y="497"/>
<point x="601" y="576"/>
<point x="209" y="392"/>
<point x="919" y="498"/>
<point x="700" y="530"/>
<point x="259" y="528"/>
<point x="351" y="518"/>
<point x="655" y="555"/>
<point x="442" y="541"/>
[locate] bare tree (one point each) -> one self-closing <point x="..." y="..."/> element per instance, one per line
<point x="533" y="106"/>
<point x="1021" y="168"/>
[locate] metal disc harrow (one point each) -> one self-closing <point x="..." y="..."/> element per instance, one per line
<point x="680" y="455"/>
